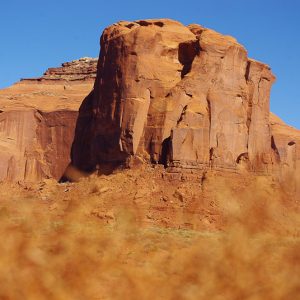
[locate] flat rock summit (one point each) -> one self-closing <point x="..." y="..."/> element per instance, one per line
<point x="185" y="97"/>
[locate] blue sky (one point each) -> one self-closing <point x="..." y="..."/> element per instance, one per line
<point x="39" y="34"/>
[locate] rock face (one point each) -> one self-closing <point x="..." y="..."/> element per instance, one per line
<point x="37" y="121"/>
<point x="35" y="144"/>
<point x="187" y="97"/>
<point x="286" y="143"/>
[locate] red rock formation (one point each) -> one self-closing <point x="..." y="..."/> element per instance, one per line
<point x="35" y="144"/>
<point x="37" y="121"/>
<point x="81" y="69"/>
<point x="286" y="144"/>
<point x="187" y="97"/>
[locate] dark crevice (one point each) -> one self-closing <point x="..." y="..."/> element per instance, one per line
<point x="186" y="69"/>
<point x="165" y="156"/>
<point x="209" y="113"/>
<point x="182" y="114"/>
<point x="160" y="24"/>
<point x="189" y="94"/>
<point x="265" y="78"/>
<point x="143" y="23"/>
<point x="292" y="143"/>
<point x="146" y="23"/>
<point x="249" y="114"/>
<point x="242" y="157"/>
<point x="211" y="150"/>
<point x="130" y="25"/>
<point x="247" y="71"/>
<point x="274" y="148"/>
<point x="187" y="52"/>
<point x="150" y="92"/>
<point x="211" y="154"/>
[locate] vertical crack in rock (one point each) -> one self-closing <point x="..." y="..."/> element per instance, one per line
<point x="249" y="101"/>
<point x="181" y="115"/>
<point x="187" y="52"/>
<point x="209" y="131"/>
<point x="275" y="149"/>
<point x="166" y="154"/>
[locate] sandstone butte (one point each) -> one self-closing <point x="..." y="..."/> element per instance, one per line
<point x="186" y="97"/>
<point x="38" y="118"/>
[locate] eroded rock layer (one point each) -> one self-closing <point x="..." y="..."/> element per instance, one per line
<point x="80" y="69"/>
<point x="187" y="97"/>
<point x="37" y="122"/>
<point x="286" y="144"/>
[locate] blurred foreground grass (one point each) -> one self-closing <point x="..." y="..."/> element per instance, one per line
<point x="75" y="256"/>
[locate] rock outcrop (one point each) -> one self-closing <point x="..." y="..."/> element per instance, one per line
<point x="286" y="144"/>
<point x="34" y="144"/>
<point x="37" y="121"/>
<point x="186" y="97"/>
<point x="84" y="68"/>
